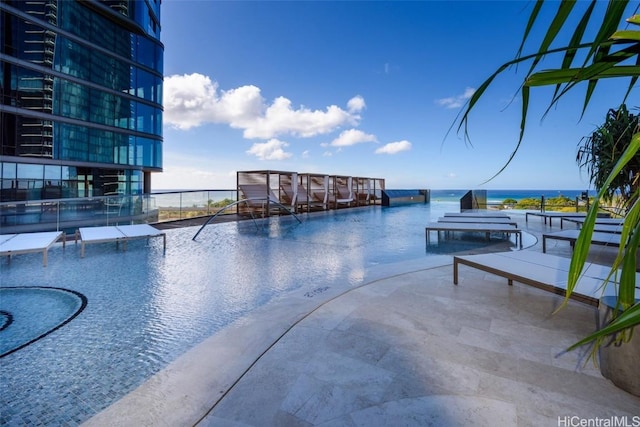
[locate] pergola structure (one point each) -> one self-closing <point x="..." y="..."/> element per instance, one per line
<point x="268" y="191"/>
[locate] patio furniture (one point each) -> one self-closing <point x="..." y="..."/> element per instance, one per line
<point x="142" y="231"/>
<point x="259" y="196"/>
<point x="543" y="271"/>
<point x="477" y="214"/>
<point x="473" y="227"/>
<point x="597" y="238"/>
<point x="477" y="220"/>
<point x="14" y="244"/>
<point x="561" y="215"/>
<point x="599" y="221"/>
<point x="342" y="192"/>
<point x="117" y="234"/>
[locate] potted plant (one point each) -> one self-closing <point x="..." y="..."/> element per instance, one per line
<point x="612" y="53"/>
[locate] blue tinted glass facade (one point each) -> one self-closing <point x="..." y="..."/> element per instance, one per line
<point x="81" y="107"/>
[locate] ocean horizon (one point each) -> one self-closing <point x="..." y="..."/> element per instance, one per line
<point x="497" y="196"/>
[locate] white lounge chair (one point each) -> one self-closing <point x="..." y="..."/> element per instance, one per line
<point x="599" y="221"/>
<point x="302" y="198"/>
<point x="560" y="215"/>
<point x="14" y="244"/>
<point x="142" y="231"/>
<point x="473" y="227"/>
<point x="477" y="220"/>
<point x="117" y="234"/>
<point x="259" y="197"/>
<point x="543" y="271"/>
<point x="597" y="238"/>
<point x="477" y="214"/>
<point x="342" y="193"/>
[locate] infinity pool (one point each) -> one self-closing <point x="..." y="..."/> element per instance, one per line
<point x="83" y="332"/>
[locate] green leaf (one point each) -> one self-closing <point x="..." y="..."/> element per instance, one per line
<point x="532" y="19"/>
<point x="575" y="42"/>
<point x="635" y="19"/>
<point x="631" y="35"/>
<point x="552" y="77"/>
<point x="564" y="10"/>
<point x="610" y="22"/>
<point x="627" y="319"/>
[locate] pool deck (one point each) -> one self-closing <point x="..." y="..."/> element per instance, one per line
<point x="407" y="348"/>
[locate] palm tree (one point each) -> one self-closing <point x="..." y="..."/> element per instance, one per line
<point x="611" y="53"/>
<point x="601" y="150"/>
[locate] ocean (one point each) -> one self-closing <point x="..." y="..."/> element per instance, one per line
<point x="498" y="196"/>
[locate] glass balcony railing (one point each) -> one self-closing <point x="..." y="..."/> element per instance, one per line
<point x="69" y="214"/>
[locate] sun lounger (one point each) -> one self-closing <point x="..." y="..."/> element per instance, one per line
<point x="477" y="214"/>
<point x="5" y="237"/>
<point x="543" y="271"/>
<point x="604" y="228"/>
<point x="473" y="227"/>
<point x="259" y="197"/>
<point x="561" y="216"/>
<point x="599" y="221"/>
<point x="597" y="238"/>
<point x="98" y="235"/>
<point x="14" y="244"/>
<point x="343" y="195"/>
<point x="258" y="193"/>
<point x="142" y="231"/>
<point x="477" y="220"/>
<point x="117" y="234"/>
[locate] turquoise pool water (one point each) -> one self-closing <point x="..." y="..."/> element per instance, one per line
<point x="144" y="309"/>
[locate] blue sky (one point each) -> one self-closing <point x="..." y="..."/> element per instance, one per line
<point x="363" y="89"/>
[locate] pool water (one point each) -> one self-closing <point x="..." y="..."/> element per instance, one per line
<point x="144" y="309"/>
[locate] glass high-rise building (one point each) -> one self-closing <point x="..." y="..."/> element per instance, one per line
<point x="81" y="95"/>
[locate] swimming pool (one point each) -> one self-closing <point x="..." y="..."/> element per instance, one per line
<point x="143" y="309"/>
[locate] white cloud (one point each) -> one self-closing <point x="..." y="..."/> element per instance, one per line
<point x="394" y="147"/>
<point x="306" y="154"/>
<point x="194" y="100"/>
<point x="352" y="137"/>
<point x="356" y="104"/>
<point x="456" y="101"/>
<point x="270" y="150"/>
<point x="280" y="119"/>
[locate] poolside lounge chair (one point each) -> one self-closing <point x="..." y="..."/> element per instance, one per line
<point x="302" y="198"/>
<point x="142" y="231"/>
<point x="473" y="227"/>
<point x="117" y="234"/>
<point x="5" y="237"/>
<point x="597" y="238"/>
<point x="14" y="244"/>
<point x="543" y="271"/>
<point x="561" y="215"/>
<point x="599" y="221"/>
<point x="259" y="197"/>
<point x="477" y="220"/>
<point x="477" y="214"/>
<point x="343" y="193"/>
<point x="257" y="192"/>
<point x="363" y="193"/>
